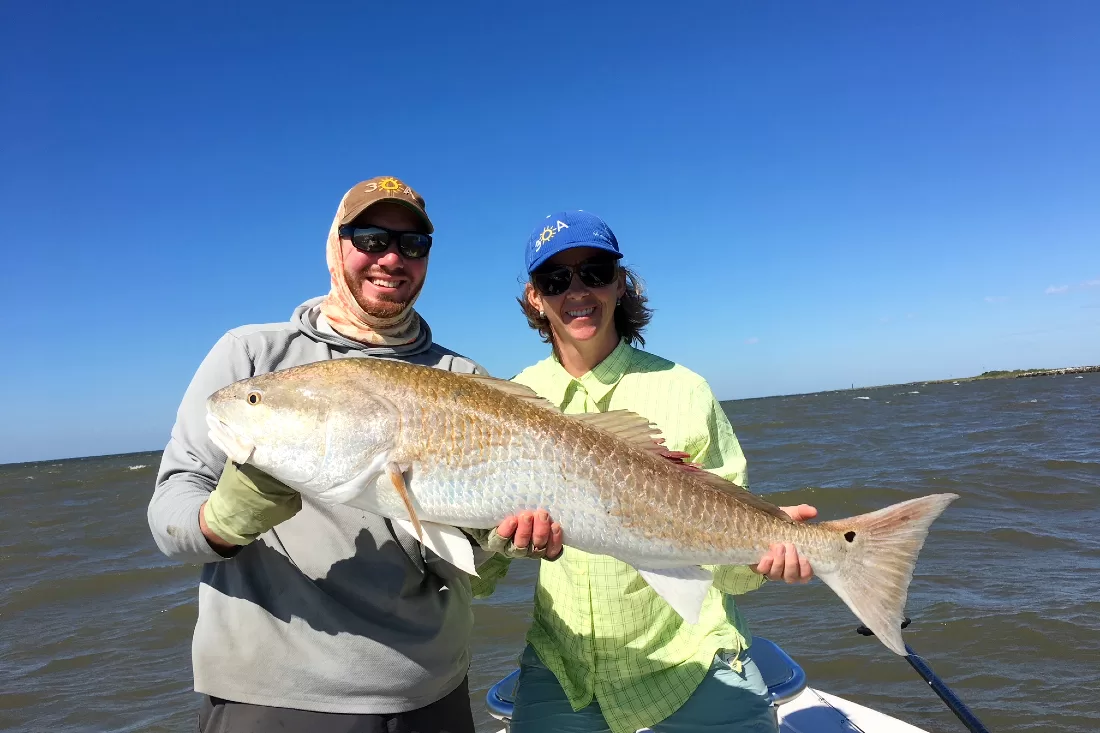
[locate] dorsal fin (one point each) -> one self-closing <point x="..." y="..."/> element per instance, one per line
<point x="627" y="426"/>
<point x="680" y="457"/>
<point x="639" y="432"/>
<point x="619" y="422"/>
<point x="742" y="495"/>
<point x="515" y="389"/>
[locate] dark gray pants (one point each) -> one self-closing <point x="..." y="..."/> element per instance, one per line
<point x="449" y="715"/>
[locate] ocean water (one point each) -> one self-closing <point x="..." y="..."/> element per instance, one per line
<point x="95" y="624"/>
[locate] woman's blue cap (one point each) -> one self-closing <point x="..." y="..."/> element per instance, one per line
<point x="566" y="230"/>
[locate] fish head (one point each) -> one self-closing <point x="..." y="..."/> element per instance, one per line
<point x="298" y="427"/>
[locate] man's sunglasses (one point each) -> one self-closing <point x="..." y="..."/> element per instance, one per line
<point x="594" y="273"/>
<point x="375" y="240"/>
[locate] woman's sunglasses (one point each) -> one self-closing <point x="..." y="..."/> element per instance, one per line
<point x="594" y="273"/>
<point x="375" y="240"/>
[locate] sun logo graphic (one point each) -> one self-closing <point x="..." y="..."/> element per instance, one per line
<point x="549" y="233"/>
<point x="388" y="185"/>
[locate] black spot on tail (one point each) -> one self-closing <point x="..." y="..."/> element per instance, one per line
<point x="850" y="536"/>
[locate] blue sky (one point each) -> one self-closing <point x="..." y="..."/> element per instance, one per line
<point x="816" y="194"/>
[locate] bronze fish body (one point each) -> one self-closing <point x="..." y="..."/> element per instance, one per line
<point x="436" y="450"/>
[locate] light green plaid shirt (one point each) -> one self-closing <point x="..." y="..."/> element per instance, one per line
<point x="598" y="626"/>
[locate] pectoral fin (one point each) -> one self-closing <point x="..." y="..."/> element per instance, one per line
<point x="449" y="543"/>
<point x="683" y="588"/>
<point x="397" y="478"/>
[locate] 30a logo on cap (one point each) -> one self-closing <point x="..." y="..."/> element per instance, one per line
<point x="389" y="185"/>
<point x="549" y="233"/>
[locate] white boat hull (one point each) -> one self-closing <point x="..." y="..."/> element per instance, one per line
<point x="814" y="711"/>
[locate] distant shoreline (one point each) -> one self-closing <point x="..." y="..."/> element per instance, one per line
<point x="998" y="374"/>
<point x="1013" y="374"/>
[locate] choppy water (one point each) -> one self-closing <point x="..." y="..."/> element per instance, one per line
<point x="95" y="625"/>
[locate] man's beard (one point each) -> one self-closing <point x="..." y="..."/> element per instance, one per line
<point x="384" y="306"/>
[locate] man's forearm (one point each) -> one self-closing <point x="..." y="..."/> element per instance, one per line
<point x="174" y="522"/>
<point x="220" y="546"/>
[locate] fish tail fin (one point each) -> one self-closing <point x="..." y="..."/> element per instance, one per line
<point x="882" y="547"/>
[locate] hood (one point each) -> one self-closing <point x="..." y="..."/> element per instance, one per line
<point x="309" y="320"/>
<point x="342" y="310"/>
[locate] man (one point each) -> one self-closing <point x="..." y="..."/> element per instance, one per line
<point x="315" y="617"/>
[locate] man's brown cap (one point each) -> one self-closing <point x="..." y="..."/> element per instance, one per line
<point x="383" y="188"/>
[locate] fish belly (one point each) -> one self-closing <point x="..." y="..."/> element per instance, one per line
<point x="480" y="496"/>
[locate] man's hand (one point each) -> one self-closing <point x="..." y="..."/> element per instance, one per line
<point x="532" y="530"/>
<point x="783" y="561"/>
<point x="245" y="504"/>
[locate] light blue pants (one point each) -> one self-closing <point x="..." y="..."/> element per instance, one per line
<point x="725" y="702"/>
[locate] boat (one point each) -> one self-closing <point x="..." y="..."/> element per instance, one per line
<point x="798" y="707"/>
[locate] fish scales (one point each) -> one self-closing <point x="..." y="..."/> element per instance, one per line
<point x="469" y="451"/>
<point x="668" y="511"/>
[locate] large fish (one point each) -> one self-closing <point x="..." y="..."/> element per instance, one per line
<point x="435" y="450"/>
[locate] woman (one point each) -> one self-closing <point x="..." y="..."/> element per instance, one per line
<point x="605" y="652"/>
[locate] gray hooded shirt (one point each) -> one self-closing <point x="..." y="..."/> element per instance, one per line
<point x="333" y="610"/>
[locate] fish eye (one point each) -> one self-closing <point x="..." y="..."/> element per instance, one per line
<point x="254" y="398"/>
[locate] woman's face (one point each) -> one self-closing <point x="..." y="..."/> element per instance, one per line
<point x="581" y="313"/>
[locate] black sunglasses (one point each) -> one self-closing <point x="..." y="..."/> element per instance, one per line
<point x="375" y="240"/>
<point x="594" y="273"/>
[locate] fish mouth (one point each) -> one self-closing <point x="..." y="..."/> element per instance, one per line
<point x="238" y="448"/>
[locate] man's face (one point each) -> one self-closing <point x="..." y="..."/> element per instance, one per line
<point x="384" y="284"/>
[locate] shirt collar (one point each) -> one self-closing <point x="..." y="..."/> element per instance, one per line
<point x="598" y="382"/>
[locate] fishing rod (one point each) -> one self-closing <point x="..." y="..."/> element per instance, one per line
<point x="945" y="693"/>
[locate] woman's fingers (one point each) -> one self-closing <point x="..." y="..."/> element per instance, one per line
<point x="524" y="529"/>
<point x="554" y="549"/>
<point x="790" y="565"/>
<point x="507" y="527"/>
<point x="540" y="530"/>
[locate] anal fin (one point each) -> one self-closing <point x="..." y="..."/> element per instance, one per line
<point x="449" y="543"/>
<point x="683" y="588"/>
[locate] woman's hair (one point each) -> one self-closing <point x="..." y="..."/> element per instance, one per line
<point x="631" y="314"/>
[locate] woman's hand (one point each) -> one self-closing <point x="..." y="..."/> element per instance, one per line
<point x="783" y="561"/>
<point x="534" y="530"/>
